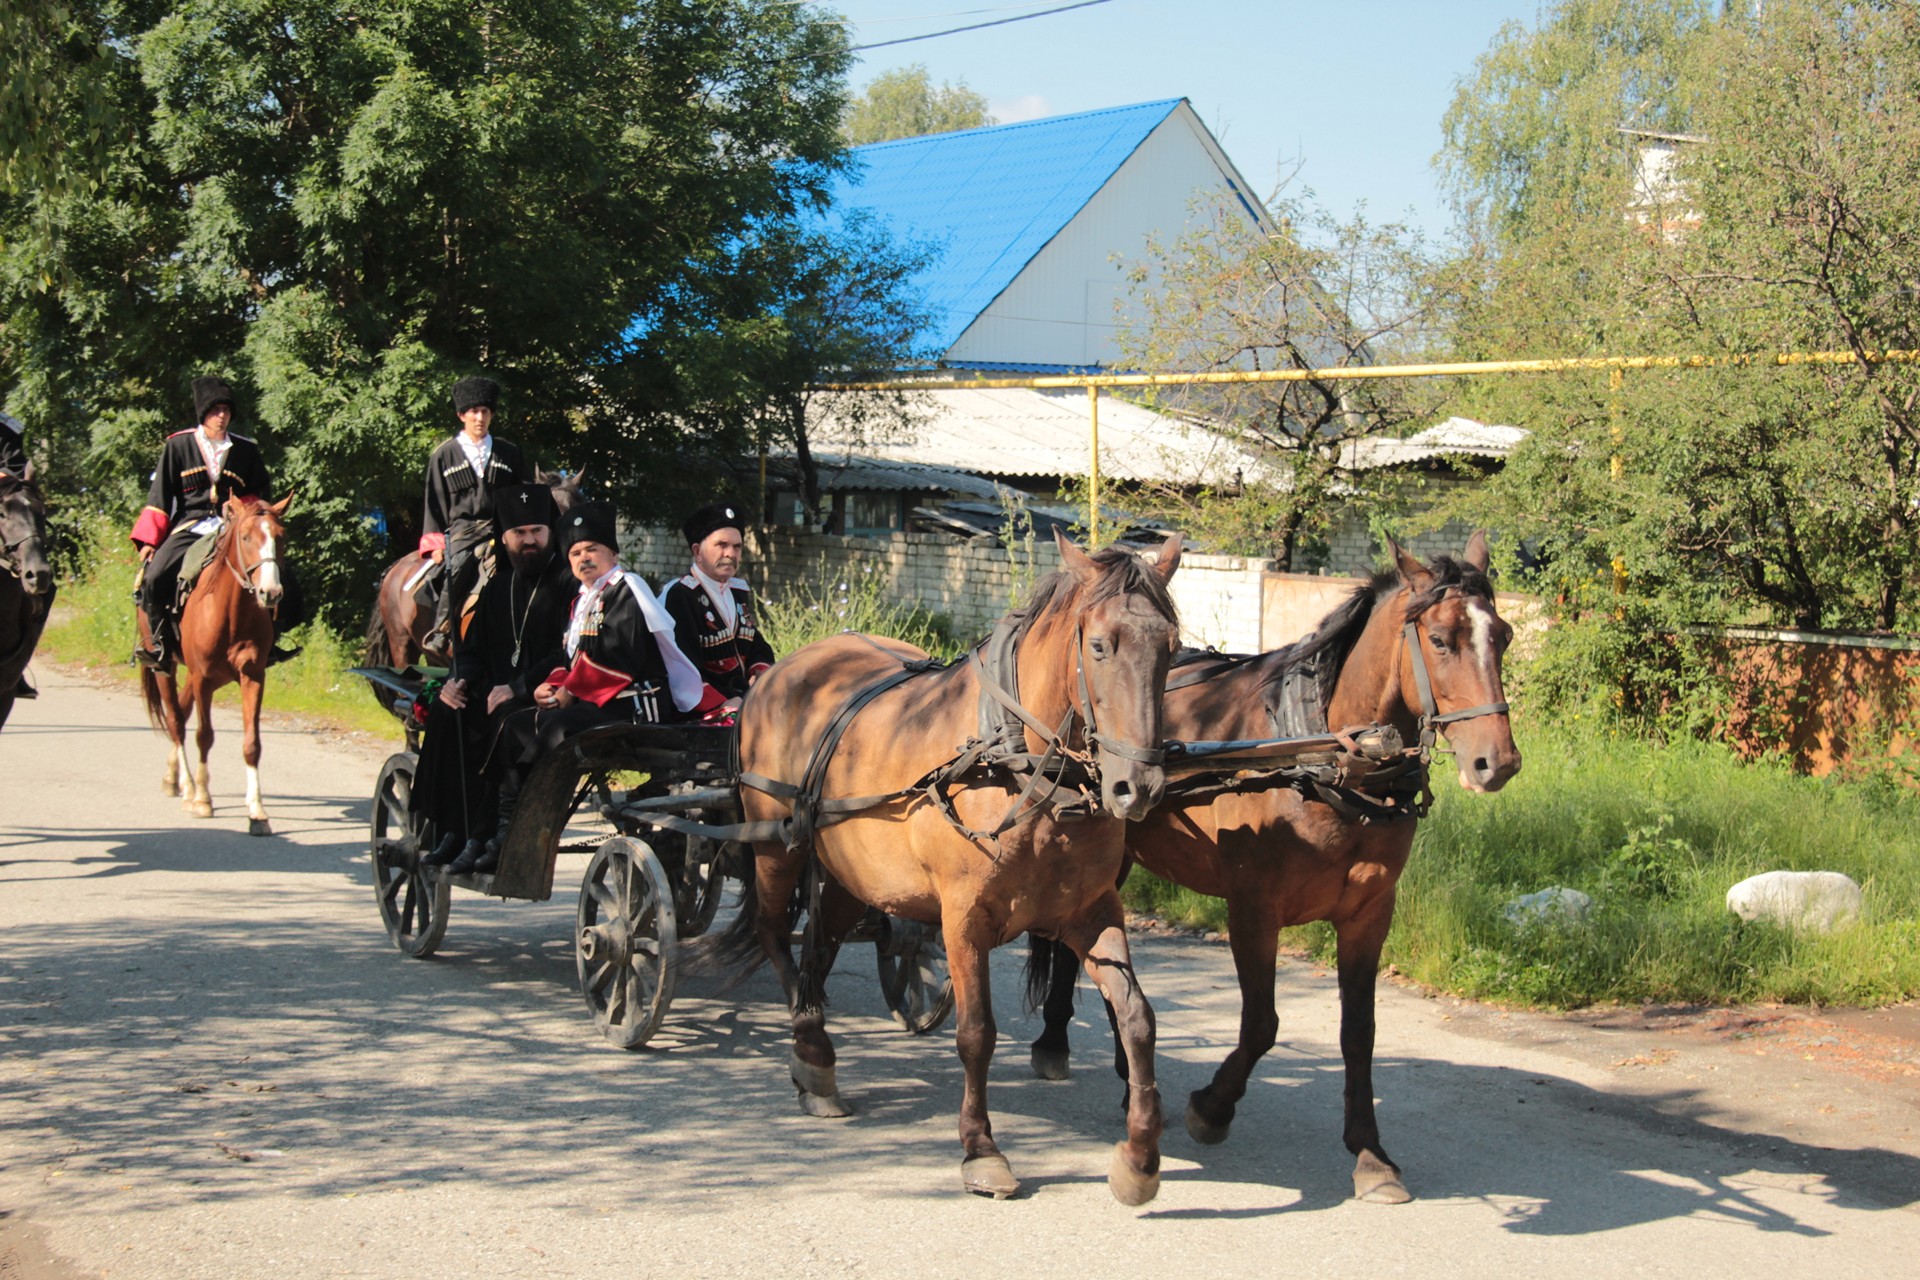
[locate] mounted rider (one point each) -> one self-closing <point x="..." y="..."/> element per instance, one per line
<point x="514" y="641"/>
<point x="620" y="666"/>
<point x="199" y="469"/>
<point x="13" y="447"/>
<point x="712" y="609"/>
<point x="462" y="475"/>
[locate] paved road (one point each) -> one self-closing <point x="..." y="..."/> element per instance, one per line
<point x="213" y="1064"/>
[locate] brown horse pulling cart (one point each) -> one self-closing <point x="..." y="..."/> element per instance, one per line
<point x="644" y="891"/>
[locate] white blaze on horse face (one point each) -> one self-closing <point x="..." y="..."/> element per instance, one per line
<point x="1481" y="644"/>
<point x="269" y="567"/>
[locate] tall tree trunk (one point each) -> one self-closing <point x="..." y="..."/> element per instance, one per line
<point x="809" y="473"/>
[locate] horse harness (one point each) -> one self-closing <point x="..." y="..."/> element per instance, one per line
<point x="1059" y="776"/>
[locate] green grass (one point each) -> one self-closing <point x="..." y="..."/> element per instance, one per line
<point x="92" y="626"/>
<point x="1656" y="834"/>
<point x="853" y="599"/>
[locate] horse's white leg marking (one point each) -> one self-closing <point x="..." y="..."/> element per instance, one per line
<point x="202" y="796"/>
<point x="176" y="757"/>
<point x="254" y="808"/>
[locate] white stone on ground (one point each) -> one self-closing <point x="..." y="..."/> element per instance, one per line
<point x="1819" y="901"/>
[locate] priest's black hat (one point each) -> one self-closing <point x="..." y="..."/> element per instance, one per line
<point x="518" y="505"/>
<point x="701" y="524"/>
<point x="208" y="392"/>
<point x="471" y="393"/>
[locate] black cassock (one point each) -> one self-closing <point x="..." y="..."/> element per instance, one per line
<point x="729" y="654"/>
<point x="515" y="640"/>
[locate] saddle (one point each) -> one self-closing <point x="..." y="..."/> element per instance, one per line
<point x="195" y="563"/>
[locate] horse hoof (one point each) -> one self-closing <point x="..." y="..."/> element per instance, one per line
<point x="169" y="788"/>
<point x="1203" y="1131"/>
<point x="259" y="827"/>
<point x="1129" y="1187"/>
<point x="1050" y="1064"/>
<point x="989" y="1176"/>
<point x="824" y="1106"/>
<point x="201" y="810"/>
<point x="1378" y="1182"/>
<point x="811" y="1079"/>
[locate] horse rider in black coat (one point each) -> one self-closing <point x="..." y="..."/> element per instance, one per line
<point x="200" y="467"/>
<point x="513" y="642"/>
<point x="462" y="475"/>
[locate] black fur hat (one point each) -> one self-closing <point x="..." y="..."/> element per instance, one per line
<point x="208" y="392"/>
<point x="589" y="522"/>
<point x="518" y="505"/>
<point x="701" y="524"/>
<point x="470" y="393"/>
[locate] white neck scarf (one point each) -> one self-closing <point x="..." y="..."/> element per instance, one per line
<point x="477" y="454"/>
<point x="590" y="593"/>
<point x="721" y="593"/>
<point x="213" y="453"/>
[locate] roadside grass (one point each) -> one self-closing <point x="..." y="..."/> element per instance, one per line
<point x="1656" y="834"/>
<point x="852" y="599"/>
<point x="92" y="627"/>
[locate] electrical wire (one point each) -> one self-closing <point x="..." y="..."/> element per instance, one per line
<point x="978" y="26"/>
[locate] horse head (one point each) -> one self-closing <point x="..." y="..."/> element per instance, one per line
<point x="1114" y="630"/>
<point x="23" y="532"/>
<point x="565" y="488"/>
<point x="254" y="542"/>
<point x="1451" y="642"/>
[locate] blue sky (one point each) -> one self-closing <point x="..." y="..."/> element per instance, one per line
<point x="1352" y="91"/>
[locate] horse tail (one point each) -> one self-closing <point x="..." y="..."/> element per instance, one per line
<point x="150" y="694"/>
<point x="1039" y="973"/>
<point x="376" y="652"/>
<point x="734" y="953"/>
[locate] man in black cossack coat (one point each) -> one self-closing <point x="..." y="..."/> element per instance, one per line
<point x="712" y="609"/>
<point x="199" y="469"/>
<point x="462" y="475"/>
<point x="619" y="665"/>
<point x="513" y="642"/>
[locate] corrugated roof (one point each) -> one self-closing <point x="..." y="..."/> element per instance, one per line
<point x="990" y="199"/>
<point x="856" y="473"/>
<point x="1025" y="432"/>
<point x="1456" y="437"/>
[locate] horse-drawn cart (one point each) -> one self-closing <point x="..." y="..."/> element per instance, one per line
<point x="644" y="889"/>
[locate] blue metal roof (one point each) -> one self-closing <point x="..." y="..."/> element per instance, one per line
<point x="990" y="199"/>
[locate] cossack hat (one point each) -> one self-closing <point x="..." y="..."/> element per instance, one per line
<point x="471" y="393"/>
<point x="701" y="524"/>
<point x="208" y="392"/>
<point x="516" y="505"/>
<point x="589" y="522"/>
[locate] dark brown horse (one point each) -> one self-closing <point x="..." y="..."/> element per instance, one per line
<point x="1091" y="651"/>
<point x="26" y="579"/>
<point x="398" y="627"/>
<point x="1279" y="858"/>
<point x="226" y="633"/>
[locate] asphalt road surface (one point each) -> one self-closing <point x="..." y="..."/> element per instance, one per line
<point x="212" y="1063"/>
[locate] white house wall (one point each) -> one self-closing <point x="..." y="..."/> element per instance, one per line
<point x="1060" y="309"/>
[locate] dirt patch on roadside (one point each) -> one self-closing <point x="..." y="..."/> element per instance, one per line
<point x="24" y="1255"/>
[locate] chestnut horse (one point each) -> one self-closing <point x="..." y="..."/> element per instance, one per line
<point x="1281" y="858"/>
<point x="1091" y="650"/>
<point x="226" y="633"/>
<point x="398" y="627"/>
<point x="26" y="579"/>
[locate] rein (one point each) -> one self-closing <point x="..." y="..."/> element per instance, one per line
<point x="1430" y="715"/>
<point x="10" y="558"/>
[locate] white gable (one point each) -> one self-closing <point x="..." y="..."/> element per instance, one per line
<point x="1060" y="309"/>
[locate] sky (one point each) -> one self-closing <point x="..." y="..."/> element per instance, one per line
<point x="1349" y="92"/>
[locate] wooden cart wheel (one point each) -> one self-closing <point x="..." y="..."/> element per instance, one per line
<point x="913" y="975"/>
<point x="700" y="883"/>
<point x="626" y="942"/>
<point x="413" y="901"/>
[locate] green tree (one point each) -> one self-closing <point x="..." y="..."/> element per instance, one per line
<point x="1320" y="293"/>
<point x="1742" y="491"/>
<point x="905" y="104"/>
<point x="347" y="206"/>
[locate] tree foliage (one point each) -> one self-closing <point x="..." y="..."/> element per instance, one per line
<point x="905" y="104"/>
<point x="345" y="207"/>
<point x="1320" y="293"/>
<point x="1743" y="490"/>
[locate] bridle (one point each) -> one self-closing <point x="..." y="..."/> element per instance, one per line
<point x="244" y="574"/>
<point x="1431" y="717"/>
<point x="10" y="557"/>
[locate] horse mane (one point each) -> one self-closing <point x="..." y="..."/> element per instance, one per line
<point x="1327" y="645"/>
<point x="1117" y="573"/>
